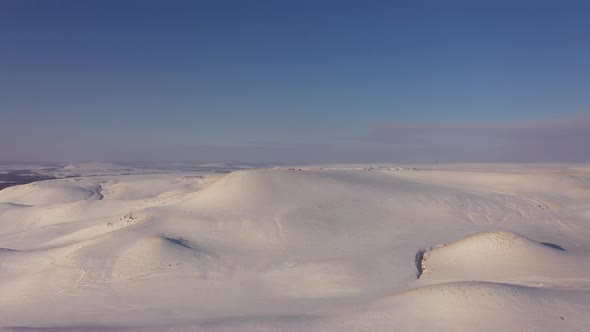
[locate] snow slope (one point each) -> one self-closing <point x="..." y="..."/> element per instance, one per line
<point x="371" y="248"/>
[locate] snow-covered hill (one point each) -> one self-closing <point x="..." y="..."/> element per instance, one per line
<point x="326" y="248"/>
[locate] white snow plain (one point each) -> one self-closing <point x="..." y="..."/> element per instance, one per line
<point x="326" y="248"/>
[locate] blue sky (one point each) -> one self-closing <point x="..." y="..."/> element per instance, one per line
<point x="294" y="81"/>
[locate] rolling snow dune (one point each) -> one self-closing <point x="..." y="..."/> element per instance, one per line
<point x="51" y="192"/>
<point x="363" y="248"/>
<point x="505" y="257"/>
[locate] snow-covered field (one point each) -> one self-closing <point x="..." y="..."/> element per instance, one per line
<point x="323" y="248"/>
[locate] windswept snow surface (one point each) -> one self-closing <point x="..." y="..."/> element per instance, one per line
<point x="323" y="248"/>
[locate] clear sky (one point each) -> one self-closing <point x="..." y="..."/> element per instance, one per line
<point x="295" y="81"/>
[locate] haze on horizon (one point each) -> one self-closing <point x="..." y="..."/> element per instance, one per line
<point x="299" y="81"/>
